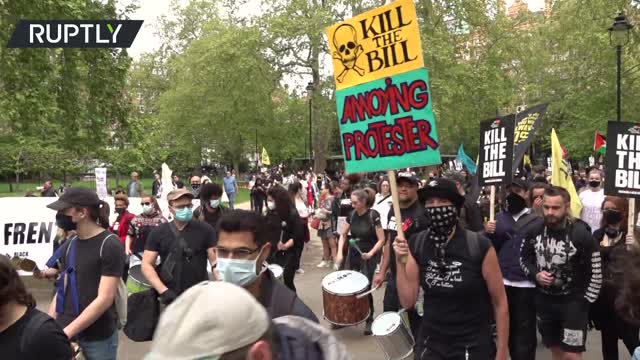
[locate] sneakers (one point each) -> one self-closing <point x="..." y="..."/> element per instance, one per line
<point x="300" y="271"/>
<point x="367" y="329"/>
<point x="323" y="264"/>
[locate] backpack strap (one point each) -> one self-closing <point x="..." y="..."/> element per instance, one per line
<point x="31" y="328"/>
<point x="68" y="281"/>
<point x="473" y="245"/>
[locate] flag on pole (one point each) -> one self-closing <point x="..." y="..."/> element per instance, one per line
<point x="265" y="157"/>
<point x="561" y="174"/>
<point x="466" y="160"/>
<point x="599" y="144"/>
<point x="526" y="160"/>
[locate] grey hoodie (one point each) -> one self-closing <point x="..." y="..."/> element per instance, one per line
<point x="294" y="326"/>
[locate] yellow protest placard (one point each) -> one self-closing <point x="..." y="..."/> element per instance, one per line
<point x="375" y="44"/>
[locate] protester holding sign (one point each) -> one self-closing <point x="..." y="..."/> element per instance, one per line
<point x="506" y="234"/>
<point x="613" y="240"/>
<point x="452" y="265"/>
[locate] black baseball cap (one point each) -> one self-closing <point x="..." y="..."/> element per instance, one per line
<point x="441" y="188"/>
<point x="522" y="184"/>
<point x="408" y="176"/>
<point x="75" y="197"/>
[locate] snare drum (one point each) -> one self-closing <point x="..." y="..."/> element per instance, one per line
<point x="393" y="335"/>
<point x="276" y="270"/>
<point x="339" y="298"/>
<point x="136" y="282"/>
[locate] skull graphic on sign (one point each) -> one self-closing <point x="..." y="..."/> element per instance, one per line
<point x="345" y="39"/>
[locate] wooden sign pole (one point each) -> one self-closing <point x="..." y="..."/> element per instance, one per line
<point x="492" y="203"/>
<point x="631" y="218"/>
<point x="391" y="174"/>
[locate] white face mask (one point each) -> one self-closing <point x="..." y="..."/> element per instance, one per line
<point x="271" y="205"/>
<point x="214" y="203"/>
<point x="147" y="209"/>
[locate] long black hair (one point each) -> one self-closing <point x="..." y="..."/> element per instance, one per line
<point x="283" y="201"/>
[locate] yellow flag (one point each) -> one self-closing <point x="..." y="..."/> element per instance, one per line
<point x="526" y="160"/>
<point x="265" y="157"/>
<point x="560" y="174"/>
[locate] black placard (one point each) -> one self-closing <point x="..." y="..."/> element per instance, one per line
<point x="496" y="151"/>
<point x="622" y="172"/>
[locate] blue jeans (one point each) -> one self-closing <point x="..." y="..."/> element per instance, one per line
<point x="231" y="196"/>
<point x="106" y="349"/>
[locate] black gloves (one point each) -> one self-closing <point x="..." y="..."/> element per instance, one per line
<point x="168" y="297"/>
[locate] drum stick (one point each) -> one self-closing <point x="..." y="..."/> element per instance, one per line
<point x="396" y="207"/>
<point x="492" y="203"/>
<point x="367" y="292"/>
<point x="354" y="244"/>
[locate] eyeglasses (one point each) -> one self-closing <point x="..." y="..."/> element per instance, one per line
<point x="239" y="253"/>
<point x="180" y="207"/>
<point x="145" y="203"/>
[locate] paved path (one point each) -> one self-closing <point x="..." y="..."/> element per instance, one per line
<point x="310" y="290"/>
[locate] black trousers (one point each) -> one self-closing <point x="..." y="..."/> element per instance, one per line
<point x="258" y="204"/>
<point x="522" y="323"/>
<point x="286" y="260"/>
<point x="391" y="302"/>
<point x="612" y="326"/>
<point x="431" y="348"/>
<point x="368" y="269"/>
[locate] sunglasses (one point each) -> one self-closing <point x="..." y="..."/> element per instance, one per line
<point x="145" y="203"/>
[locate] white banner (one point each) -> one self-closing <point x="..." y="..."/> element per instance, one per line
<point x="28" y="226"/>
<point x="101" y="182"/>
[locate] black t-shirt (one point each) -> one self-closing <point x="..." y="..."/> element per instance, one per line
<point x="199" y="236"/>
<point x="47" y="342"/>
<point x="291" y="229"/>
<point x="363" y="227"/>
<point x="413" y="221"/>
<point x="456" y="299"/>
<point x="89" y="268"/>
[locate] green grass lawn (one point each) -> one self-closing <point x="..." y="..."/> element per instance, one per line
<point x="242" y="196"/>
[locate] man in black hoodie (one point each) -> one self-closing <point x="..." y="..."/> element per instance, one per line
<point x="506" y="233"/>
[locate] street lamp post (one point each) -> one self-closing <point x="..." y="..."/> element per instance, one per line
<point x="618" y="37"/>
<point x="310" y="88"/>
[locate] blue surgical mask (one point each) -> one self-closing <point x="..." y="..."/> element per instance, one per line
<point x="237" y="271"/>
<point x="147" y="209"/>
<point x="184" y="214"/>
<point x="214" y="203"/>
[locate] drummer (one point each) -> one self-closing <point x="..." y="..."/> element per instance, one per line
<point x="366" y="232"/>
<point x="462" y="282"/>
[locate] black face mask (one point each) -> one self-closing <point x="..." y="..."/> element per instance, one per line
<point x="120" y="211"/>
<point x="611" y="233"/>
<point x="64" y="222"/>
<point x="515" y="203"/>
<point x="612" y="217"/>
<point x="195" y="186"/>
<point x="594" y="184"/>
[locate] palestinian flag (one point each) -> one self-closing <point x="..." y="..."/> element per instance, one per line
<point x="600" y="144"/>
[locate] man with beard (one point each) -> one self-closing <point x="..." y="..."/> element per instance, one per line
<point x="563" y="258"/>
<point x="413" y="221"/>
<point x="506" y="233"/>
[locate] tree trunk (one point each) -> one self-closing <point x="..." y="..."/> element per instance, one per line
<point x="17" y="181"/>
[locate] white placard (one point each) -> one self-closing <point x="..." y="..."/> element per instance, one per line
<point x="101" y="182"/>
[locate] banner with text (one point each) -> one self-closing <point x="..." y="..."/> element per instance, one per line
<point x="388" y="124"/>
<point x="527" y="123"/>
<point x="375" y="44"/>
<point x="28" y="226"/>
<point x="496" y="151"/>
<point x="623" y="160"/>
